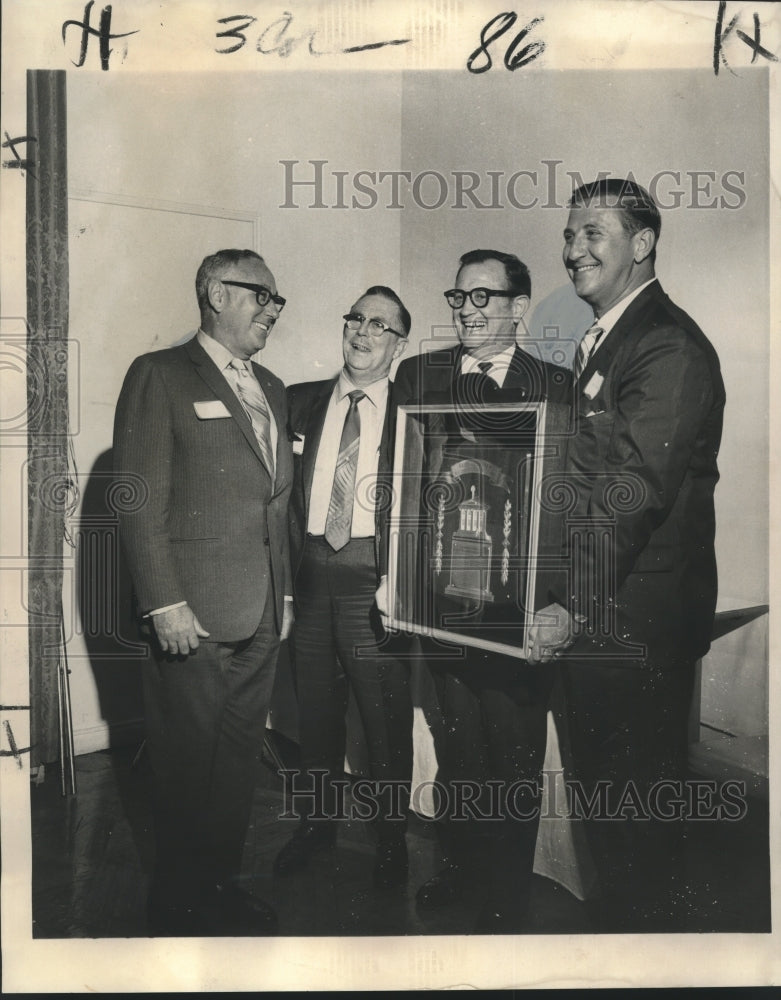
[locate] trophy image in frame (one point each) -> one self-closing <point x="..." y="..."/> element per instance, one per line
<point x="470" y="552"/>
<point x="465" y="524"/>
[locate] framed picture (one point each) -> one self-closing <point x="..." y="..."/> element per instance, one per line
<point x="469" y="531"/>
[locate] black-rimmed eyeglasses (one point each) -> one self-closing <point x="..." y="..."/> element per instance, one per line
<point x="262" y="294"/>
<point x="354" y="321"/>
<point x="479" y="297"/>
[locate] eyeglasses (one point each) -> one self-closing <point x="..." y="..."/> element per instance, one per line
<point x="354" y="321"/>
<point x="478" y="296"/>
<point x="262" y="294"/>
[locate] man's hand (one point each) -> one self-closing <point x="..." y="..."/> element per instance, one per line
<point x="288" y="618"/>
<point x="552" y="630"/>
<point x="178" y="630"/>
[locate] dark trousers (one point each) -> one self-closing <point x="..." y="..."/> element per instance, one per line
<point x="627" y="733"/>
<point x="494" y="710"/>
<point x="339" y="641"/>
<point x="206" y="716"/>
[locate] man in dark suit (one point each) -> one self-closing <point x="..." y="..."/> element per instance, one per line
<point x="202" y="434"/>
<point x="640" y="592"/>
<point x="487" y="342"/>
<point x="494" y="707"/>
<point x="337" y="516"/>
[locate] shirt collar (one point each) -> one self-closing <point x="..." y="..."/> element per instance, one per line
<point x="219" y="354"/>
<point x="612" y="316"/>
<point x="377" y="391"/>
<point x="500" y="363"/>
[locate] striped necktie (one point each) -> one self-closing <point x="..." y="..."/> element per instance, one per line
<point x="254" y="403"/>
<point x="338" y="521"/>
<point x="585" y="349"/>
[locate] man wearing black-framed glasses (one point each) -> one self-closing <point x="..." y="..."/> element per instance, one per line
<point x="494" y="708"/>
<point x="338" y="512"/>
<point x="488" y="302"/>
<point x="201" y="431"/>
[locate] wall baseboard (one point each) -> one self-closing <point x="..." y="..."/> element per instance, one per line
<point x="104" y="736"/>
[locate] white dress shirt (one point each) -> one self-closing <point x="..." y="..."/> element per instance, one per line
<point x="372" y="410"/>
<point x="500" y="365"/>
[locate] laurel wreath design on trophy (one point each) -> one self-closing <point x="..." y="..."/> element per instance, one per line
<point x="506" y="531"/>
<point x="440" y="527"/>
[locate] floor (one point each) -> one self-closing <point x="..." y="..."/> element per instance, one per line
<point x="92" y="855"/>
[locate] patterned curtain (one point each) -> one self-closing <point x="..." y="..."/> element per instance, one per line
<point x="47" y="395"/>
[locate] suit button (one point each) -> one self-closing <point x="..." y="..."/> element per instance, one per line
<point x="265" y="541"/>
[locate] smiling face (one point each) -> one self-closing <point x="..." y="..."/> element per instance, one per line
<point x="241" y="325"/>
<point x="604" y="261"/>
<point x="489" y="330"/>
<point x="368" y="358"/>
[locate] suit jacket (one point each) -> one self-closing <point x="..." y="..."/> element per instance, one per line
<point x="203" y="523"/>
<point x="642" y="465"/>
<point x="308" y="403"/>
<point x="433" y="375"/>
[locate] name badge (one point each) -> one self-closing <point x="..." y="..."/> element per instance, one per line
<point x="211" y="409"/>
<point x="594" y="385"/>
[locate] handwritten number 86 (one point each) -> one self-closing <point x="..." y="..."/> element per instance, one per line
<point x="513" y="58"/>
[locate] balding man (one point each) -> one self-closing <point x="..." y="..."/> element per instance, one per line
<point x="203" y="429"/>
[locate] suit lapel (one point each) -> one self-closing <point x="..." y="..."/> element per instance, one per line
<point x="275" y="395"/>
<point x="218" y="384"/>
<point x="602" y="360"/>
<point x="523" y="377"/>
<point x="441" y="369"/>
<point x="386" y="442"/>
<point x="314" y="431"/>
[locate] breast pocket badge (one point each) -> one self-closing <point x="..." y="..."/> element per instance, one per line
<point x="211" y="409"/>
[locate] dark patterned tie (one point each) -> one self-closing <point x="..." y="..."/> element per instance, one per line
<point x="585" y="349"/>
<point x="254" y="403"/>
<point x="339" y="519"/>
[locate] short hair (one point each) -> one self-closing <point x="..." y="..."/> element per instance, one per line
<point x="214" y="266"/>
<point x="516" y="272"/>
<point x="388" y="293"/>
<point x="638" y="209"/>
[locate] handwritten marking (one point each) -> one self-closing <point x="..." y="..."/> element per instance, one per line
<point x="15" y="751"/>
<point x="17" y="163"/>
<point x="236" y="32"/>
<point x="512" y="60"/>
<point x="722" y="34"/>
<point x="277" y="39"/>
<point x="103" y="33"/>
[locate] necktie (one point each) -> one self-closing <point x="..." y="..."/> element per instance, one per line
<point x="339" y="519"/>
<point x="585" y="349"/>
<point x="254" y="403"/>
